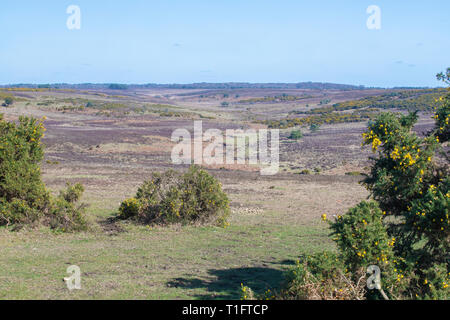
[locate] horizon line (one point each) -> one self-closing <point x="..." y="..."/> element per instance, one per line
<point x="48" y="85"/>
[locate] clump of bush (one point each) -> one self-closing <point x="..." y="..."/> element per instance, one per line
<point x="66" y="213"/>
<point x="296" y="135"/>
<point x="314" y="127"/>
<point x="23" y="197"/>
<point x="361" y="237"/>
<point x="8" y="101"/>
<point x="414" y="191"/>
<point x="130" y="208"/>
<point x="322" y="276"/>
<point x="24" y="200"/>
<point x="174" y="197"/>
<point x="247" y="293"/>
<point x="305" y="171"/>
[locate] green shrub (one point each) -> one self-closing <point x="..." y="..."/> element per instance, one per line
<point x="173" y="197"/>
<point x="296" y="135"/>
<point x="362" y="241"/>
<point x="410" y="180"/>
<point x="361" y="237"/>
<point x="24" y="199"/>
<point x="18" y="212"/>
<point x="66" y="214"/>
<point x="442" y="131"/>
<point x="322" y="276"/>
<point x="247" y="293"/>
<point x="129" y="208"/>
<point x="8" y="101"/>
<point x="314" y="127"/>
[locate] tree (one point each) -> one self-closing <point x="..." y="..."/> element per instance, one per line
<point x="8" y="101"/>
<point x="445" y="77"/>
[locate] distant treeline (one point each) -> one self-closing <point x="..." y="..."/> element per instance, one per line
<point x="203" y="85"/>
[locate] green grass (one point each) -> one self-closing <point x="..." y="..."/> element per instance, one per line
<point x="142" y="263"/>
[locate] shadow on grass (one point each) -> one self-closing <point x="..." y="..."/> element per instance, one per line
<point x="287" y="262"/>
<point x="226" y="283"/>
<point x="110" y="226"/>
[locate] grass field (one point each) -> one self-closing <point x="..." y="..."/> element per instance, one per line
<point x="122" y="260"/>
<point x="143" y="263"/>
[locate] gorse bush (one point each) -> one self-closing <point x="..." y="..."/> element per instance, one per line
<point x="247" y="293"/>
<point x="361" y="237"/>
<point x="129" y="208"/>
<point x="66" y="214"/>
<point x="322" y="276"/>
<point x="362" y="240"/>
<point x="410" y="180"/>
<point x="173" y="197"/>
<point x="412" y="187"/>
<point x="442" y="114"/>
<point x="405" y="231"/>
<point x="24" y="199"/>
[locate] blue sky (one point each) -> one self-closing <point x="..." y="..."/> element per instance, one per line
<point x="172" y="41"/>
